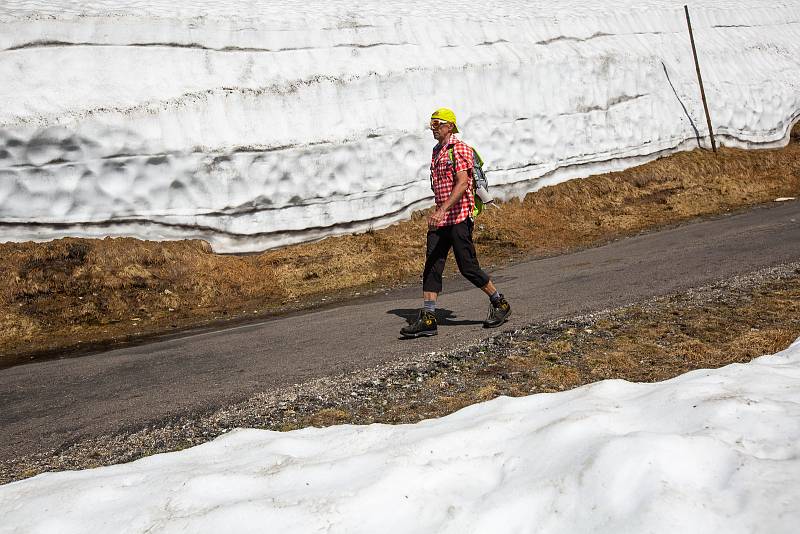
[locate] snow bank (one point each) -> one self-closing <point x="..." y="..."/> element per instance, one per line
<point x="710" y="451"/>
<point x="256" y="124"/>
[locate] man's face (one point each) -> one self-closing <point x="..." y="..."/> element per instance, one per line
<point x="440" y="129"/>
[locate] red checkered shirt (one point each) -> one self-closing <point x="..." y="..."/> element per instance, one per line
<point x="443" y="179"/>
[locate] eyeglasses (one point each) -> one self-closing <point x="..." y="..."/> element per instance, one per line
<point x="435" y="123"/>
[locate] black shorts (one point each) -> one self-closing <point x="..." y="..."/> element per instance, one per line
<point x="440" y="241"/>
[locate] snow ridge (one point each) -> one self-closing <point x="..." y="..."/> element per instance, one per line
<point x="225" y="122"/>
<point x="708" y="451"/>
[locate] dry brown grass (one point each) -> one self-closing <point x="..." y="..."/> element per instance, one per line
<point x="72" y="293"/>
<point x="646" y="345"/>
<point x="329" y="417"/>
<point x="80" y="289"/>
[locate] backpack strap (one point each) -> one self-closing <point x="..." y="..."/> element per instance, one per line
<point x="451" y="154"/>
<point x="477" y="162"/>
<point x="478" y="158"/>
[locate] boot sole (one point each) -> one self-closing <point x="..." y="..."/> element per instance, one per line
<point x="486" y="325"/>
<point x="420" y="334"/>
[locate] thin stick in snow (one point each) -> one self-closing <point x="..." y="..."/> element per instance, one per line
<point x="700" y="79"/>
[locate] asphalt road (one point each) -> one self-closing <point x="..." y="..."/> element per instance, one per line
<point x="51" y="403"/>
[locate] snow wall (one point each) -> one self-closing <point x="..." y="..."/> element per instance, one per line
<point x="258" y="124"/>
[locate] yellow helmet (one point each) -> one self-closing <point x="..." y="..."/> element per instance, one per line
<point x="447" y="115"/>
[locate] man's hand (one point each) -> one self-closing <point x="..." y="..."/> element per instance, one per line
<point x="436" y="218"/>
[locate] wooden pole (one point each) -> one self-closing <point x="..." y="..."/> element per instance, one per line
<point x="700" y="79"/>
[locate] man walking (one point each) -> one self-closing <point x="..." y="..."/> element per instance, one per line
<point x="450" y="226"/>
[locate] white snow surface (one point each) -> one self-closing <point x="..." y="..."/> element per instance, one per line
<point x="709" y="451"/>
<point x="257" y="124"/>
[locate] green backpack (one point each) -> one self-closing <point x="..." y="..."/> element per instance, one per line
<point x="480" y="185"/>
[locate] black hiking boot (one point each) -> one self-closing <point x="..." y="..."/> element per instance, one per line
<point x="425" y="325"/>
<point x="498" y="313"/>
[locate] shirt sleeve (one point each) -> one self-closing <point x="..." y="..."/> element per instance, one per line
<point x="462" y="154"/>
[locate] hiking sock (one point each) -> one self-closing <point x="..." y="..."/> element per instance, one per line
<point x="494" y="297"/>
<point x="429" y="305"/>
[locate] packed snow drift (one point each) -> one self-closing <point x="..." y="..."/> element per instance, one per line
<point x="256" y="124"/>
<point x="709" y="451"/>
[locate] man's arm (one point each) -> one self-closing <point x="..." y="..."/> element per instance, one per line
<point x="460" y="187"/>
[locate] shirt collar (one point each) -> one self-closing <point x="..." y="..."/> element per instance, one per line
<point x="452" y="139"/>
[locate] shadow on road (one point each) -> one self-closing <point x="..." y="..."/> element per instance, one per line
<point x="444" y="317"/>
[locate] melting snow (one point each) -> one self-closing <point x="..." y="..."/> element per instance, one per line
<point x="709" y="451"/>
<point x="255" y="124"/>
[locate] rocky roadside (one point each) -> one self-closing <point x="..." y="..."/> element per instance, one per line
<point x="727" y="322"/>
